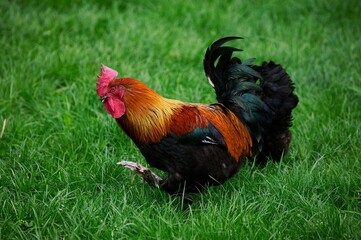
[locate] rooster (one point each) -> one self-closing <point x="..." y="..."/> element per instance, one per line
<point x="200" y="145"/>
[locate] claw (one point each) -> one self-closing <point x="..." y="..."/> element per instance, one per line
<point x="147" y="175"/>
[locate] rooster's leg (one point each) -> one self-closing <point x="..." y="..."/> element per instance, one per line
<point x="148" y="176"/>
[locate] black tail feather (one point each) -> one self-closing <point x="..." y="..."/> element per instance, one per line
<point x="216" y="74"/>
<point x="261" y="96"/>
<point x="278" y="94"/>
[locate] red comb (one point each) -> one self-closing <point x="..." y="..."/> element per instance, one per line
<point x="106" y="76"/>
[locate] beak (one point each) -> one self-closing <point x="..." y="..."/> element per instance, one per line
<point x="104" y="98"/>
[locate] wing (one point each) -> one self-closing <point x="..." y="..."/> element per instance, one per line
<point x="190" y="126"/>
<point x="212" y="124"/>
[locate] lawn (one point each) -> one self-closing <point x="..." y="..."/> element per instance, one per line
<point x="58" y="177"/>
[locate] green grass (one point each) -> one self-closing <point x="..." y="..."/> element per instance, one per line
<point x="58" y="177"/>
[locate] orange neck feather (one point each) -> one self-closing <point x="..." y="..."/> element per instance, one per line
<point x="147" y="116"/>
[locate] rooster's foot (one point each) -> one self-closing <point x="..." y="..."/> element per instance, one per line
<point x="148" y="176"/>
